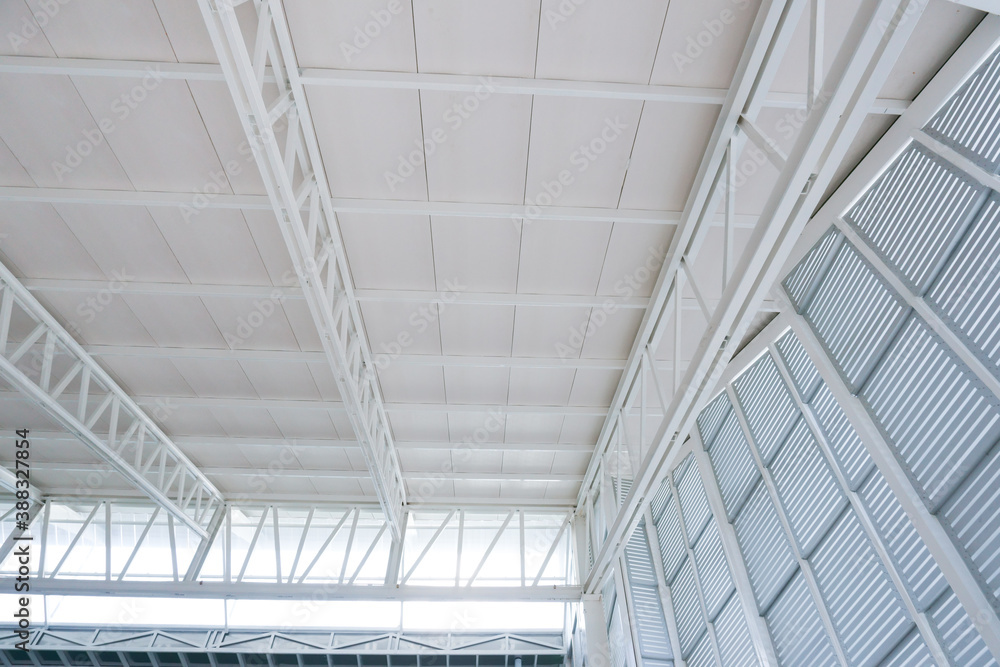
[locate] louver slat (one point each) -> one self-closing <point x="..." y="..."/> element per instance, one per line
<point x="806" y="487"/>
<point x="802" y="369"/>
<point x="687" y="611"/>
<point x="935" y="414"/>
<point x="800" y="281"/>
<point x="913" y="215"/>
<point x="967" y="293"/>
<point x="918" y="568"/>
<point x="854" y="314"/>
<point x="796" y="628"/>
<point x="713" y="570"/>
<point x="733" y="465"/>
<point x="973" y="512"/>
<point x="703" y="655"/>
<point x="848" y="449"/>
<point x="711" y="417"/>
<point x="767" y="405"/>
<point x="660" y="501"/>
<point x="735" y="643"/>
<point x="694" y="503"/>
<point x="958" y="634"/>
<point x="970" y="121"/>
<point x="768" y="556"/>
<point x="863" y="603"/>
<point x="911" y="652"/>
<point x="650" y="623"/>
<point x="672" y="549"/>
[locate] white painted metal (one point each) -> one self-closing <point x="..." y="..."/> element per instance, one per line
<point x="52" y="370"/>
<point x="294" y="174"/>
<point x="410" y="81"/>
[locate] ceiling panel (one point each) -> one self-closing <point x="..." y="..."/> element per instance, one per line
<point x="562" y="257"/>
<point x="24" y="37"/>
<point x="54" y="136"/>
<point x="465" y="385"/>
<point x="476" y="254"/>
<point x="246" y="422"/>
<point x="476" y="330"/>
<point x="280" y="380"/>
<point x="216" y="378"/>
<point x="549" y="332"/>
<point x="495" y="37"/>
<point x="476" y="145"/>
<point x="176" y="321"/>
<point x="11" y="171"/>
<point x="252" y="324"/>
<point x="372" y="141"/>
<point x="476" y="428"/>
<point x="39" y="244"/>
<point x="97" y="317"/>
<point x="594" y="387"/>
<point x="389" y="251"/>
<point x="632" y="263"/>
<point x="579" y="150"/>
<point x="363" y="34"/>
<point x="186" y="31"/>
<point x="597" y="41"/>
<point x="395" y="329"/>
<point x="412" y="384"/>
<point x="105" y="29"/>
<point x="540" y="386"/>
<point x="148" y="377"/>
<point x="530" y="428"/>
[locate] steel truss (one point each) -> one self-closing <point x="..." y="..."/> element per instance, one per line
<point x="43" y="361"/>
<point x="142" y="647"/>
<point x="276" y="120"/>
<point x="836" y="110"/>
<point x="300" y="552"/>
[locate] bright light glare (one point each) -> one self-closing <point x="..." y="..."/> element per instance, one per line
<point x="91" y="610"/>
<point x="469" y="616"/>
<point x="277" y="614"/>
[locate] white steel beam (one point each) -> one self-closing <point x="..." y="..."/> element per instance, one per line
<point x="865" y="59"/>
<point x="49" y="368"/>
<point x="247" y="590"/>
<point x="989" y="6"/>
<point x="311" y="76"/>
<point x="957" y="570"/>
<point x="294" y="175"/>
<point x="190" y="203"/>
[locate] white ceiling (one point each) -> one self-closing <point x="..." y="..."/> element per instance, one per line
<point x="239" y="414"/>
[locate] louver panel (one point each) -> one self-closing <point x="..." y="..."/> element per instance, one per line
<point x="735" y="643"/>
<point x="711" y="417"/>
<point x="713" y="570"/>
<point x="800" y="366"/>
<point x="807" y="488"/>
<point x="863" y="603"/>
<point x="672" y="549"/>
<point x="854" y="314"/>
<point x="694" y="503"/>
<point x="848" y="449"/>
<point x="767" y="405"/>
<point x="939" y="420"/>
<point x="703" y="654"/>
<point x="970" y="121"/>
<point x="914" y="561"/>
<point x="608" y="597"/>
<point x="967" y="293"/>
<point x="734" y="466"/>
<point x="616" y="638"/>
<point x="690" y="620"/>
<point x="650" y="623"/>
<point x="973" y="513"/>
<point x="913" y="215"/>
<point x="911" y="652"/>
<point x="958" y="634"/>
<point x="660" y="501"/>
<point x="800" y="281"/>
<point x="797" y="630"/>
<point x="768" y="555"/>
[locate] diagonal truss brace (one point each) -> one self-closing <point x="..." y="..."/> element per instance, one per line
<point x="276" y="120"/>
<point x="42" y="360"/>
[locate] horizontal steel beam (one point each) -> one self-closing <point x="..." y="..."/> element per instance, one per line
<point x="195" y="442"/>
<point x="459" y="83"/>
<point x="295" y="473"/>
<point x="191" y="203"/>
<point x="269" y="591"/>
<point x="168" y="403"/>
<point x="440" y="503"/>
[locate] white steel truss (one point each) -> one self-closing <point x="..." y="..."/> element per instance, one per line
<point x="277" y="122"/>
<point x="128" y="647"/>
<point x="131" y="548"/>
<point x="863" y="62"/>
<point x="43" y="361"/>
